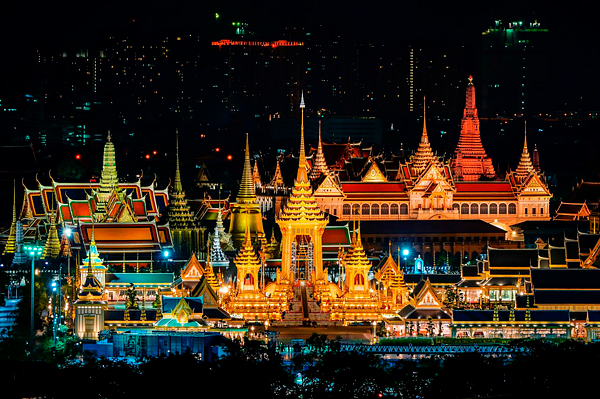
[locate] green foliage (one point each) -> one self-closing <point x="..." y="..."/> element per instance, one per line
<point x="131" y="298"/>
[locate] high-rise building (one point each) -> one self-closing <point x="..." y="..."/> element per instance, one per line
<point x="514" y="68"/>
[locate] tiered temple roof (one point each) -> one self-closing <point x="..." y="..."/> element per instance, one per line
<point x="424" y="154"/>
<point x="186" y="237"/>
<point x="470" y="161"/>
<point x="109" y="180"/>
<point x="319" y="166"/>
<point x="11" y="246"/>
<point x="525" y="165"/>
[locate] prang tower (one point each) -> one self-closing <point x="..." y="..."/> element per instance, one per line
<point x="470" y="161"/>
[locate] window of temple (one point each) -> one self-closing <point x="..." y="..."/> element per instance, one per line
<point x="455" y="206"/>
<point x="375" y="209"/>
<point x="366" y="209"/>
<point x="335" y="211"/>
<point x="394" y="209"/>
<point x="512" y="209"/>
<point x="404" y="209"/>
<point x="542" y="211"/>
<point x="359" y="280"/>
<point x="525" y="211"/>
<point x="346" y="209"/>
<point x="502" y="209"/>
<point x="355" y="209"/>
<point x="385" y="209"/>
<point x="464" y="209"/>
<point x="483" y="209"/>
<point x="327" y="210"/>
<point x="533" y="211"/>
<point x="474" y="209"/>
<point x="493" y="209"/>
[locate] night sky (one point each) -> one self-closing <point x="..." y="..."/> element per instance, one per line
<point x="30" y="25"/>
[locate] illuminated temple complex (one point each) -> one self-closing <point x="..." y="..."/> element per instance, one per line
<point x="125" y="215"/>
<point x="426" y="187"/>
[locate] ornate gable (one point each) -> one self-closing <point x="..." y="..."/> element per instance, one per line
<point x="433" y="179"/>
<point x="329" y="188"/>
<point x="182" y="311"/>
<point x="193" y="270"/>
<point x="374" y="174"/>
<point x="534" y="185"/>
<point x="427" y="298"/>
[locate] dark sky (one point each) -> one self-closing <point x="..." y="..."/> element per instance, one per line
<point x="30" y="25"/>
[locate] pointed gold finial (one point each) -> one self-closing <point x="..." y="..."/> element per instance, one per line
<point x="424" y="138"/>
<point x="302" y="175"/>
<point x="108" y="138"/>
<point x="178" y="186"/>
<point x="525" y="145"/>
<point x="247" y="193"/>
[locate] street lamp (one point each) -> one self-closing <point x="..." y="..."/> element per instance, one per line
<point x="32" y="251"/>
<point x="405" y="253"/>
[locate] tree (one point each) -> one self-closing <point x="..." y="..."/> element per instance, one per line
<point x="131" y="298"/>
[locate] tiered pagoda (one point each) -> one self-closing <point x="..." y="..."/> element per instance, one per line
<point x="358" y="302"/>
<point x="11" y="244"/>
<point x="319" y="166"/>
<point x="184" y="228"/>
<point x="216" y="252"/>
<point x="90" y="304"/>
<point x="394" y="294"/>
<point x="249" y="300"/>
<point x="470" y="161"/>
<point x="246" y="209"/>
<point x="525" y="166"/>
<point x="109" y="180"/>
<point x="424" y="154"/>
<point x="52" y="247"/>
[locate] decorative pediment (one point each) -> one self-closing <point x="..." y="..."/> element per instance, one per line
<point x="427" y="298"/>
<point x="193" y="270"/>
<point x="433" y="180"/>
<point x="329" y="187"/>
<point x="534" y="185"/>
<point x="182" y="311"/>
<point x="374" y="174"/>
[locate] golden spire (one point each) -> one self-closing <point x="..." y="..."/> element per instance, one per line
<point x="277" y="180"/>
<point x="256" y="175"/>
<point x="247" y="193"/>
<point x="525" y="165"/>
<point x="319" y="166"/>
<point x="11" y="246"/>
<point x="424" y="154"/>
<point x="302" y="175"/>
<point x="178" y="185"/>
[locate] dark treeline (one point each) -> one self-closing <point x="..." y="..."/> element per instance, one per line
<point x="254" y="370"/>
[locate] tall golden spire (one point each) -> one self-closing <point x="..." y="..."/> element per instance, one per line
<point x="302" y="175"/>
<point x="247" y="193"/>
<point x="108" y="178"/>
<point x="277" y="180"/>
<point x="302" y="204"/>
<point x="319" y="166"/>
<point x="424" y="154"/>
<point x="186" y="236"/>
<point x="178" y="185"/>
<point x="11" y="246"/>
<point x="525" y="165"/>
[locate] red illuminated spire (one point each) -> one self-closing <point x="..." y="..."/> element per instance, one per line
<point x="473" y="162"/>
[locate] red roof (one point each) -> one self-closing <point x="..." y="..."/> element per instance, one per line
<point x="369" y="187"/>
